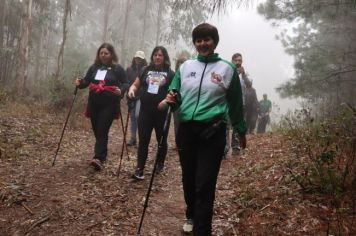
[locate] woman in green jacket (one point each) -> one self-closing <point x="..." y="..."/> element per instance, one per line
<point x="205" y="90"/>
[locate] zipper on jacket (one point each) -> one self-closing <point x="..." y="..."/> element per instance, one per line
<point x="201" y="81"/>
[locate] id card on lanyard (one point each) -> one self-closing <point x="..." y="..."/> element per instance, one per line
<point x="100" y="74"/>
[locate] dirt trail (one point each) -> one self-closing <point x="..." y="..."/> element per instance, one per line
<point x="254" y="196"/>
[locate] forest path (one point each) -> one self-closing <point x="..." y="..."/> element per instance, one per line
<point x="254" y="195"/>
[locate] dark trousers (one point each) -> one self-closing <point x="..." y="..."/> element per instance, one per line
<point x="147" y="121"/>
<point x="200" y="161"/>
<point x="133" y="122"/>
<point x="262" y="123"/>
<point x="102" y="116"/>
<point x="251" y="118"/>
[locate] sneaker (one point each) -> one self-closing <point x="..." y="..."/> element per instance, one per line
<point x="96" y="163"/>
<point x="188" y="226"/>
<point x="131" y="143"/>
<point x="138" y="175"/>
<point x="236" y="150"/>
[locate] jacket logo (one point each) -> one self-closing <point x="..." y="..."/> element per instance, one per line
<point x="192" y="74"/>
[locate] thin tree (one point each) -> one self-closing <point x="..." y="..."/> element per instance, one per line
<point x="106" y="19"/>
<point x="24" y="46"/>
<point x="67" y="12"/>
<point x="159" y="20"/>
<point x="124" y="33"/>
<point x="144" y="26"/>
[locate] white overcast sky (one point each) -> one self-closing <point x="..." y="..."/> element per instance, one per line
<point x="244" y="30"/>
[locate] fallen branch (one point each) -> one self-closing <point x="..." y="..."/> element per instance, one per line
<point x="37" y="223"/>
<point x="27" y="208"/>
<point x="265" y="207"/>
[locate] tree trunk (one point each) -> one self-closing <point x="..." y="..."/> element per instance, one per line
<point x="2" y="43"/>
<point x="106" y="19"/>
<point x="67" y="10"/>
<point x="124" y="33"/>
<point x="38" y="56"/>
<point x="46" y="49"/>
<point x="2" y="21"/>
<point x="159" y="20"/>
<point x="145" y="20"/>
<point x="24" y="46"/>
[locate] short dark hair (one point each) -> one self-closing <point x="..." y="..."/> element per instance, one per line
<point x="236" y="55"/>
<point x="167" y="61"/>
<point x="205" y="30"/>
<point x="111" y="49"/>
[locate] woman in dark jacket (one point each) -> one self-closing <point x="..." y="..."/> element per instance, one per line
<point x="107" y="82"/>
<point x="153" y="85"/>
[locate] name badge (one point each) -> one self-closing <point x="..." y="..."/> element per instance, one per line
<point x="153" y="88"/>
<point x="100" y="74"/>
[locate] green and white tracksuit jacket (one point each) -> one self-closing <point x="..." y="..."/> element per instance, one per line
<point x="209" y="89"/>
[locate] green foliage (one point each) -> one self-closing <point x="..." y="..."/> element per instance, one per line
<point x="322" y="43"/>
<point x="324" y="153"/>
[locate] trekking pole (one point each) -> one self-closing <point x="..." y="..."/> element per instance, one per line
<point x="160" y="146"/>
<point x="65" y="124"/>
<point x="124" y="143"/>
<point x="123" y="131"/>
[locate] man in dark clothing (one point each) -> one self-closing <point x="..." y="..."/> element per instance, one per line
<point x="265" y="109"/>
<point x="251" y="107"/>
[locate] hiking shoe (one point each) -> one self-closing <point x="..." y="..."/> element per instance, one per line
<point x="96" y="164"/>
<point x="131" y="143"/>
<point x="138" y="175"/>
<point x="188" y="226"/>
<point x="236" y="151"/>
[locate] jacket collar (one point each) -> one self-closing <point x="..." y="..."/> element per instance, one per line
<point x="211" y="58"/>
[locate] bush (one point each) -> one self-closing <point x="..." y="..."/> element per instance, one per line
<point x="324" y="152"/>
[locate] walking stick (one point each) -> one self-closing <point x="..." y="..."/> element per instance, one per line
<point x="65" y="124"/>
<point x="123" y="131"/>
<point x="124" y="143"/>
<point x="160" y="146"/>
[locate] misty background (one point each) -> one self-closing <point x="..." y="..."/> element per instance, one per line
<point x="245" y="31"/>
<point x="51" y="42"/>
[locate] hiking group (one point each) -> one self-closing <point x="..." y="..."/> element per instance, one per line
<point x="208" y="97"/>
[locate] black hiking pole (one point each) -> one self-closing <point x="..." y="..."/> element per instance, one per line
<point x="65" y="124"/>
<point x="124" y="143"/>
<point x="123" y="131"/>
<point x="160" y="146"/>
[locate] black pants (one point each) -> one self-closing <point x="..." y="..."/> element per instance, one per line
<point x="251" y="118"/>
<point x="102" y="116"/>
<point x="147" y="121"/>
<point x="200" y="161"/>
<point x="262" y="123"/>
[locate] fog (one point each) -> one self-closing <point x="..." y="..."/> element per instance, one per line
<point x="264" y="59"/>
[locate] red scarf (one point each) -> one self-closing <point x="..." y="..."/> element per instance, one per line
<point x="99" y="88"/>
